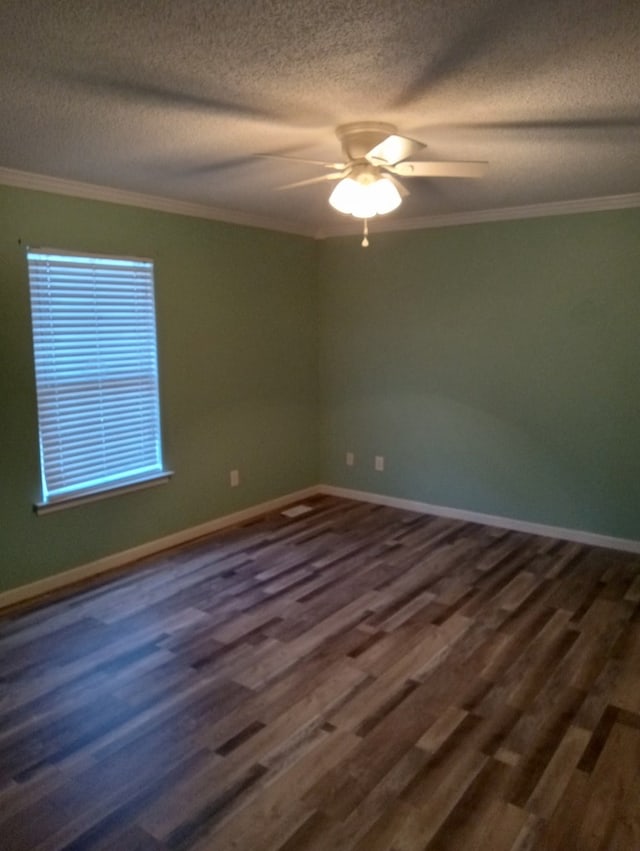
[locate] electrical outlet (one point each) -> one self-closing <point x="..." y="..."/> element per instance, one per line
<point x="350" y="459"/>
<point x="379" y="463"/>
<point x="234" y="478"/>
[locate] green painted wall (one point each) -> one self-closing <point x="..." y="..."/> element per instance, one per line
<point x="495" y="366"/>
<point x="237" y="317"/>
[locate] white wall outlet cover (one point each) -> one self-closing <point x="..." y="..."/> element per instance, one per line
<point x="234" y="478"/>
<point x="379" y="463"/>
<point x="350" y="459"/>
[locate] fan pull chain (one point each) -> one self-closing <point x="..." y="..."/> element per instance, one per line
<point x="365" y="241"/>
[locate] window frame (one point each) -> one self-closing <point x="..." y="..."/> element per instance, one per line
<point x="54" y="499"/>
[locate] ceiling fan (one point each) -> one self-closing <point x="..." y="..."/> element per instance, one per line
<point x="375" y="157"/>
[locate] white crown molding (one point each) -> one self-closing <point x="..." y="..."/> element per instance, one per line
<point x="531" y="211"/>
<point x="579" y="536"/>
<point x="93" y="192"/>
<point x="348" y="227"/>
<point x="149" y="548"/>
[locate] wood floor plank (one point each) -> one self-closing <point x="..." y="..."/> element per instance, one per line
<point x="359" y="678"/>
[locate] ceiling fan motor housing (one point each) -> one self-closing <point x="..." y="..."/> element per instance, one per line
<point x="358" y="138"/>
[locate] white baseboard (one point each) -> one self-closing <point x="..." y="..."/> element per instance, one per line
<point x="120" y="559"/>
<point x="577" y="535"/>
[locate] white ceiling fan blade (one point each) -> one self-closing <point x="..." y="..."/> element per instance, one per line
<point x="300" y="160"/>
<point x="393" y="149"/>
<point x="311" y="180"/>
<point x="440" y="169"/>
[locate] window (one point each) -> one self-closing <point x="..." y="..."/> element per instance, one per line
<point x="94" y="339"/>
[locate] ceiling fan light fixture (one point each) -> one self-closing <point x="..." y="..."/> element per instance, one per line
<point x="344" y="195"/>
<point x="365" y="197"/>
<point x="387" y="197"/>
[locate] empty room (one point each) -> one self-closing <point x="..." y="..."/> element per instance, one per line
<point x="320" y="492"/>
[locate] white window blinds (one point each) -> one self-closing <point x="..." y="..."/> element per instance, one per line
<point x="94" y="339"/>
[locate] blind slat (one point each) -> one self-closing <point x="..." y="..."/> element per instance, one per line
<point x="64" y="473"/>
<point x="104" y="482"/>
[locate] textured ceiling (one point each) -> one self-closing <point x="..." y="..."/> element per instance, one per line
<point x="172" y="98"/>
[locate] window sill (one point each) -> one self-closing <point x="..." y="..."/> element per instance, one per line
<point x="57" y="504"/>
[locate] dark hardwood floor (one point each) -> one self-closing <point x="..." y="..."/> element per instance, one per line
<point x="358" y="678"/>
